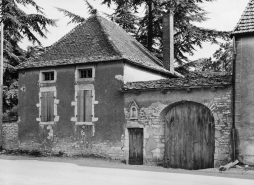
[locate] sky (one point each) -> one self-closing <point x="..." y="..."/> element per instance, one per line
<point x="223" y="15"/>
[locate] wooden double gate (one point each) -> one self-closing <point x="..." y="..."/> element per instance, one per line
<point x="189" y="136"/>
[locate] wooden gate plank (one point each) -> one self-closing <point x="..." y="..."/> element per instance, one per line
<point x="189" y="133"/>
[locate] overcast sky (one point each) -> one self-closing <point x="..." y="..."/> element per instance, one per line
<point x="223" y="15"/>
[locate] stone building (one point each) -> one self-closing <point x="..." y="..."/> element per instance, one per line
<point x="98" y="91"/>
<point x="243" y="36"/>
<point x="69" y="99"/>
<point x="183" y="120"/>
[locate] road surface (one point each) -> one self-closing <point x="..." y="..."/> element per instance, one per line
<point x="33" y="172"/>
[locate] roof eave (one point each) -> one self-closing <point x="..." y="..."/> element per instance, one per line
<point x="65" y="64"/>
<point x="175" y="88"/>
<point x="241" y="34"/>
<point x="170" y="74"/>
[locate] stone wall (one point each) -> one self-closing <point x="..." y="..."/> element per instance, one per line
<point x="152" y="104"/>
<point x="81" y="145"/>
<point x="10" y="135"/>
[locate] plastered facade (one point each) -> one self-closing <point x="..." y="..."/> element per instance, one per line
<point x="244" y="94"/>
<point x="101" y="137"/>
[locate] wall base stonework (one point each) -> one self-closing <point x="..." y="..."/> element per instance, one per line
<point x="10" y="135"/>
<point x="49" y="144"/>
<point x="70" y="147"/>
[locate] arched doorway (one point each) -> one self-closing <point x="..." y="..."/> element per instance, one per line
<point x="189" y="136"/>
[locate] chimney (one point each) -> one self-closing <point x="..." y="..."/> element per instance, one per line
<point x="168" y="41"/>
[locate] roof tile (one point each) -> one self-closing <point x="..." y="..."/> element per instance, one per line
<point x="246" y="22"/>
<point x="96" y="40"/>
<point x="191" y="80"/>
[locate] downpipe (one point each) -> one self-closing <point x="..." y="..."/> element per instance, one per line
<point x="233" y="129"/>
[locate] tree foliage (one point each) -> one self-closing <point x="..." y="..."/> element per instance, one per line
<point x="17" y="26"/>
<point x="220" y="62"/>
<point x="149" y="27"/>
<point x="74" y="18"/>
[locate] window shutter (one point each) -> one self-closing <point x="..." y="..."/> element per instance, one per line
<point x="80" y="106"/>
<point x="47" y="106"/>
<point x="84" y="105"/>
<point x="88" y="106"/>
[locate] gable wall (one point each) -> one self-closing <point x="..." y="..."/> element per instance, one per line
<point x="134" y="74"/>
<point x="64" y="135"/>
<point x="244" y="105"/>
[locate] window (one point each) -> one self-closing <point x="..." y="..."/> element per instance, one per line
<point x="84" y="105"/>
<point x="48" y="76"/>
<point x="86" y="73"/>
<point x="47" y="106"/>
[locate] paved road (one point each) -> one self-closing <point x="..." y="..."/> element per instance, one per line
<point x="33" y="172"/>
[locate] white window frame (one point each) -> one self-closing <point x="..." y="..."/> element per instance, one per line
<point x="74" y="103"/>
<point x="77" y="71"/>
<point x="41" y="77"/>
<point x="56" y="102"/>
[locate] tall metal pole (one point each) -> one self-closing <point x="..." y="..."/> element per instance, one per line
<point x="1" y="78"/>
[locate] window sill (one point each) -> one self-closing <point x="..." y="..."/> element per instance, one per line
<point x="47" y="123"/>
<point x="84" y="123"/>
<point x="50" y="81"/>
<point x="84" y="79"/>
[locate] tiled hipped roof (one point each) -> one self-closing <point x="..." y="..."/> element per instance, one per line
<point x="96" y="40"/>
<point x="246" y="22"/>
<point x="191" y="80"/>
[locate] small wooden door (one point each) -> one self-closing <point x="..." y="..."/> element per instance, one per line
<point x="136" y="146"/>
<point x="189" y="136"/>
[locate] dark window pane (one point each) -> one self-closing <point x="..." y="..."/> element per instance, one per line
<point x="48" y="76"/>
<point x="86" y="73"/>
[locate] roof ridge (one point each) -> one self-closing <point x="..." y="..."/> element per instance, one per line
<point x="242" y="16"/>
<point x="94" y="40"/>
<point x="158" y="61"/>
<point x="107" y="35"/>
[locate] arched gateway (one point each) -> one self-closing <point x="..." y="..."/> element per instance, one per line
<point x="189" y="136"/>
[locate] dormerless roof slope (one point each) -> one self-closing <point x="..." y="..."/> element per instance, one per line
<point x="246" y="22"/>
<point x="96" y="40"/>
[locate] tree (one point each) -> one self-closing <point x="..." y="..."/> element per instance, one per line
<point x="221" y="61"/>
<point x="148" y="29"/>
<point x="186" y="13"/>
<point x="18" y="25"/>
<point x="74" y="18"/>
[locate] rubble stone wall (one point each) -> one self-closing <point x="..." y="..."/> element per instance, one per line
<point x="10" y="135"/>
<point x="151" y="105"/>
